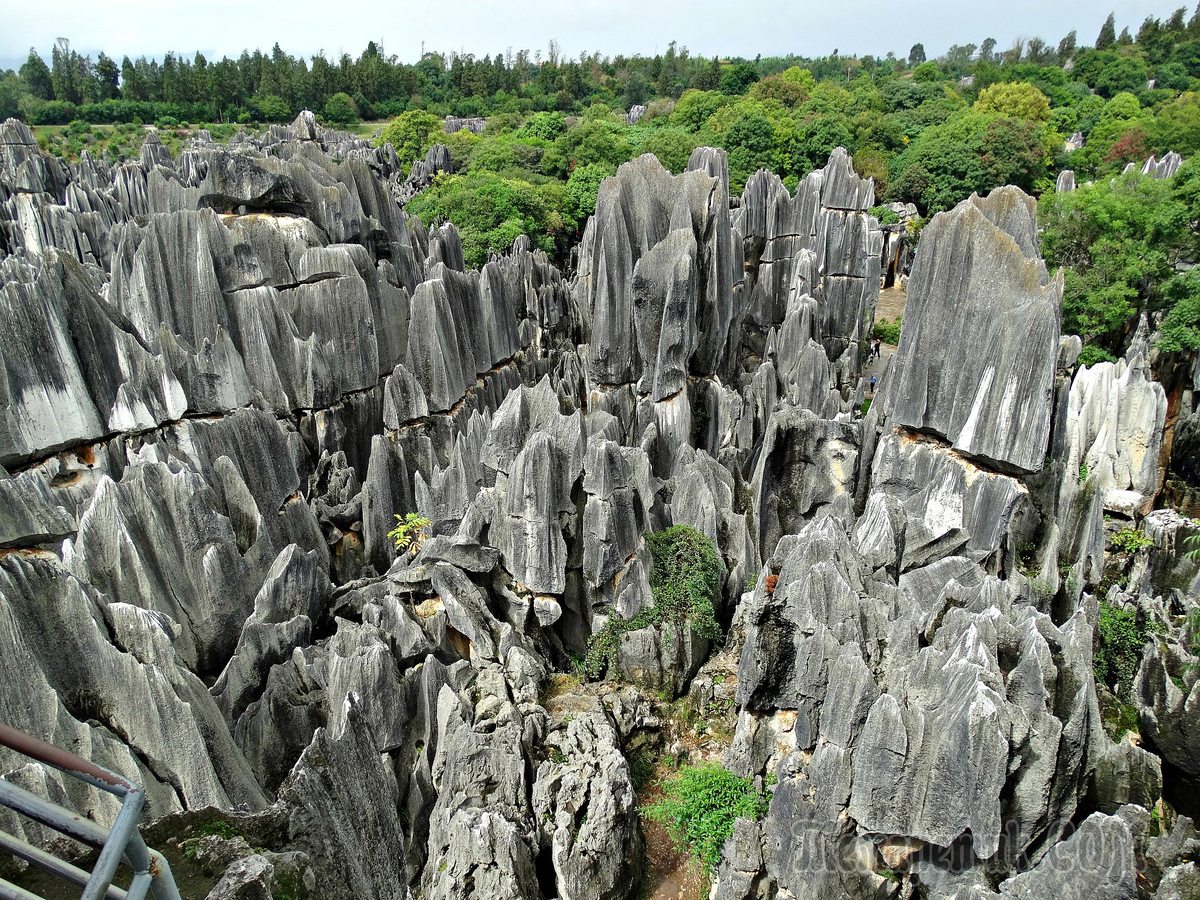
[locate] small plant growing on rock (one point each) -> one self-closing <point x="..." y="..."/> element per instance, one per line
<point x="1083" y="472"/>
<point x="410" y="532"/>
<point x="1192" y="543"/>
<point x="700" y="805"/>
<point x="1130" y="540"/>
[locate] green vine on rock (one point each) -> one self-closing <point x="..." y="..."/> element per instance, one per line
<point x="685" y="581"/>
<point x="1117" y="654"/>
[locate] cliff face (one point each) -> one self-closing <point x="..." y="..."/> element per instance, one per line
<point x="224" y="375"/>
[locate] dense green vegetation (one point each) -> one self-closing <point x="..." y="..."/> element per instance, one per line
<point x="685" y="581"/>
<point x="700" y="805"/>
<point x="1117" y="654"/>
<point x="1120" y="241"/>
<point x="929" y="131"/>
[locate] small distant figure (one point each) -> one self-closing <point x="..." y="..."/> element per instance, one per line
<point x="872" y="384"/>
<point x="877" y="349"/>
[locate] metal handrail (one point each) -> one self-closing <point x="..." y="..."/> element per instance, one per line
<point x="122" y="843"/>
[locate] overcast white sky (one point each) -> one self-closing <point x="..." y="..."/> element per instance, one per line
<point x="706" y="27"/>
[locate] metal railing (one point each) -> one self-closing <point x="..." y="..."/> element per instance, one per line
<point x="121" y="843"/>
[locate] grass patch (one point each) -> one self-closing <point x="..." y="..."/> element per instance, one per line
<point x="556" y="685"/>
<point x="700" y="804"/>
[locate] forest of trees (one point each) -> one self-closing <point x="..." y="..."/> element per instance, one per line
<point x="929" y="131"/>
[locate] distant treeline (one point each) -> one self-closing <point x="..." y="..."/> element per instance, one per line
<point x="275" y="86"/>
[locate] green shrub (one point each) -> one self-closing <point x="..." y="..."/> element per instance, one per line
<point x="1130" y="540"/>
<point x="340" y="109"/>
<point x="685" y="581"/>
<point x="885" y="216"/>
<point x="411" y="134"/>
<point x="1117" y="654"/>
<point x="700" y="805"/>
<point x="888" y="332"/>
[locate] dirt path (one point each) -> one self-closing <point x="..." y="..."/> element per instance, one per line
<point x="671" y="874"/>
<point x="891" y="304"/>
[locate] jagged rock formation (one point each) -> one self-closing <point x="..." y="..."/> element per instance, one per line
<point x="227" y="374"/>
<point x="474" y="124"/>
<point x="976" y="367"/>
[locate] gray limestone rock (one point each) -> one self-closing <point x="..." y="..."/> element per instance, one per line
<point x="250" y="878"/>
<point x="805" y="463"/>
<point x="1096" y="861"/>
<point x="586" y="804"/>
<point x="977" y="355"/>
<point x="349" y="826"/>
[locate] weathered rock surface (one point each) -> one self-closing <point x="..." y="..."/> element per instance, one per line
<point x="227" y="375"/>
<point x="976" y="366"/>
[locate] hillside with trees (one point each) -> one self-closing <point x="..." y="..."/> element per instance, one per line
<point x="928" y="131"/>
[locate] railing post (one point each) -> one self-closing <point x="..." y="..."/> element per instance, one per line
<point x="114" y="847"/>
<point x="122" y="842"/>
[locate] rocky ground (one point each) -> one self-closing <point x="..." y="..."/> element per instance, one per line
<point x="225" y="374"/>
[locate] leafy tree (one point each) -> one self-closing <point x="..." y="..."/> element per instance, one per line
<point x="750" y="142"/>
<point x="491" y="212"/>
<point x="1181" y="326"/>
<point x="107" y="78"/>
<point x="815" y="138"/>
<point x="776" y="87"/>
<point x="927" y="71"/>
<point x="582" y="187"/>
<point x="672" y="146"/>
<point x="916" y="55"/>
<point x="545" y="126"/>
<point x="872" y="163"/>
<point x="1173" y="76"/>
<point x="737" y="78"/>
<point x="696" y="107"/>
<point x="1066" y="48"/>
<point x="1118" y="240"/>
<point x="272" y="108"/>
<point x="341" y="109"/>
<point x="411" y="134"/>
<point x="1124" y="74"/>
<point x="1018" y="100"/>
<point x="1108" y="33"/>
<point x="588" y="142"/>
<point x="971" y="152"/>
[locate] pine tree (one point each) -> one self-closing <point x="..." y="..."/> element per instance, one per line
<point x="1125" y="39"/>
<point x="1108" y="34"/>
<point x="1066" y="48"/>
<point x="36" y="75"/>
<point x="1193" y="25"/>
<point x="916" y="55"/>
